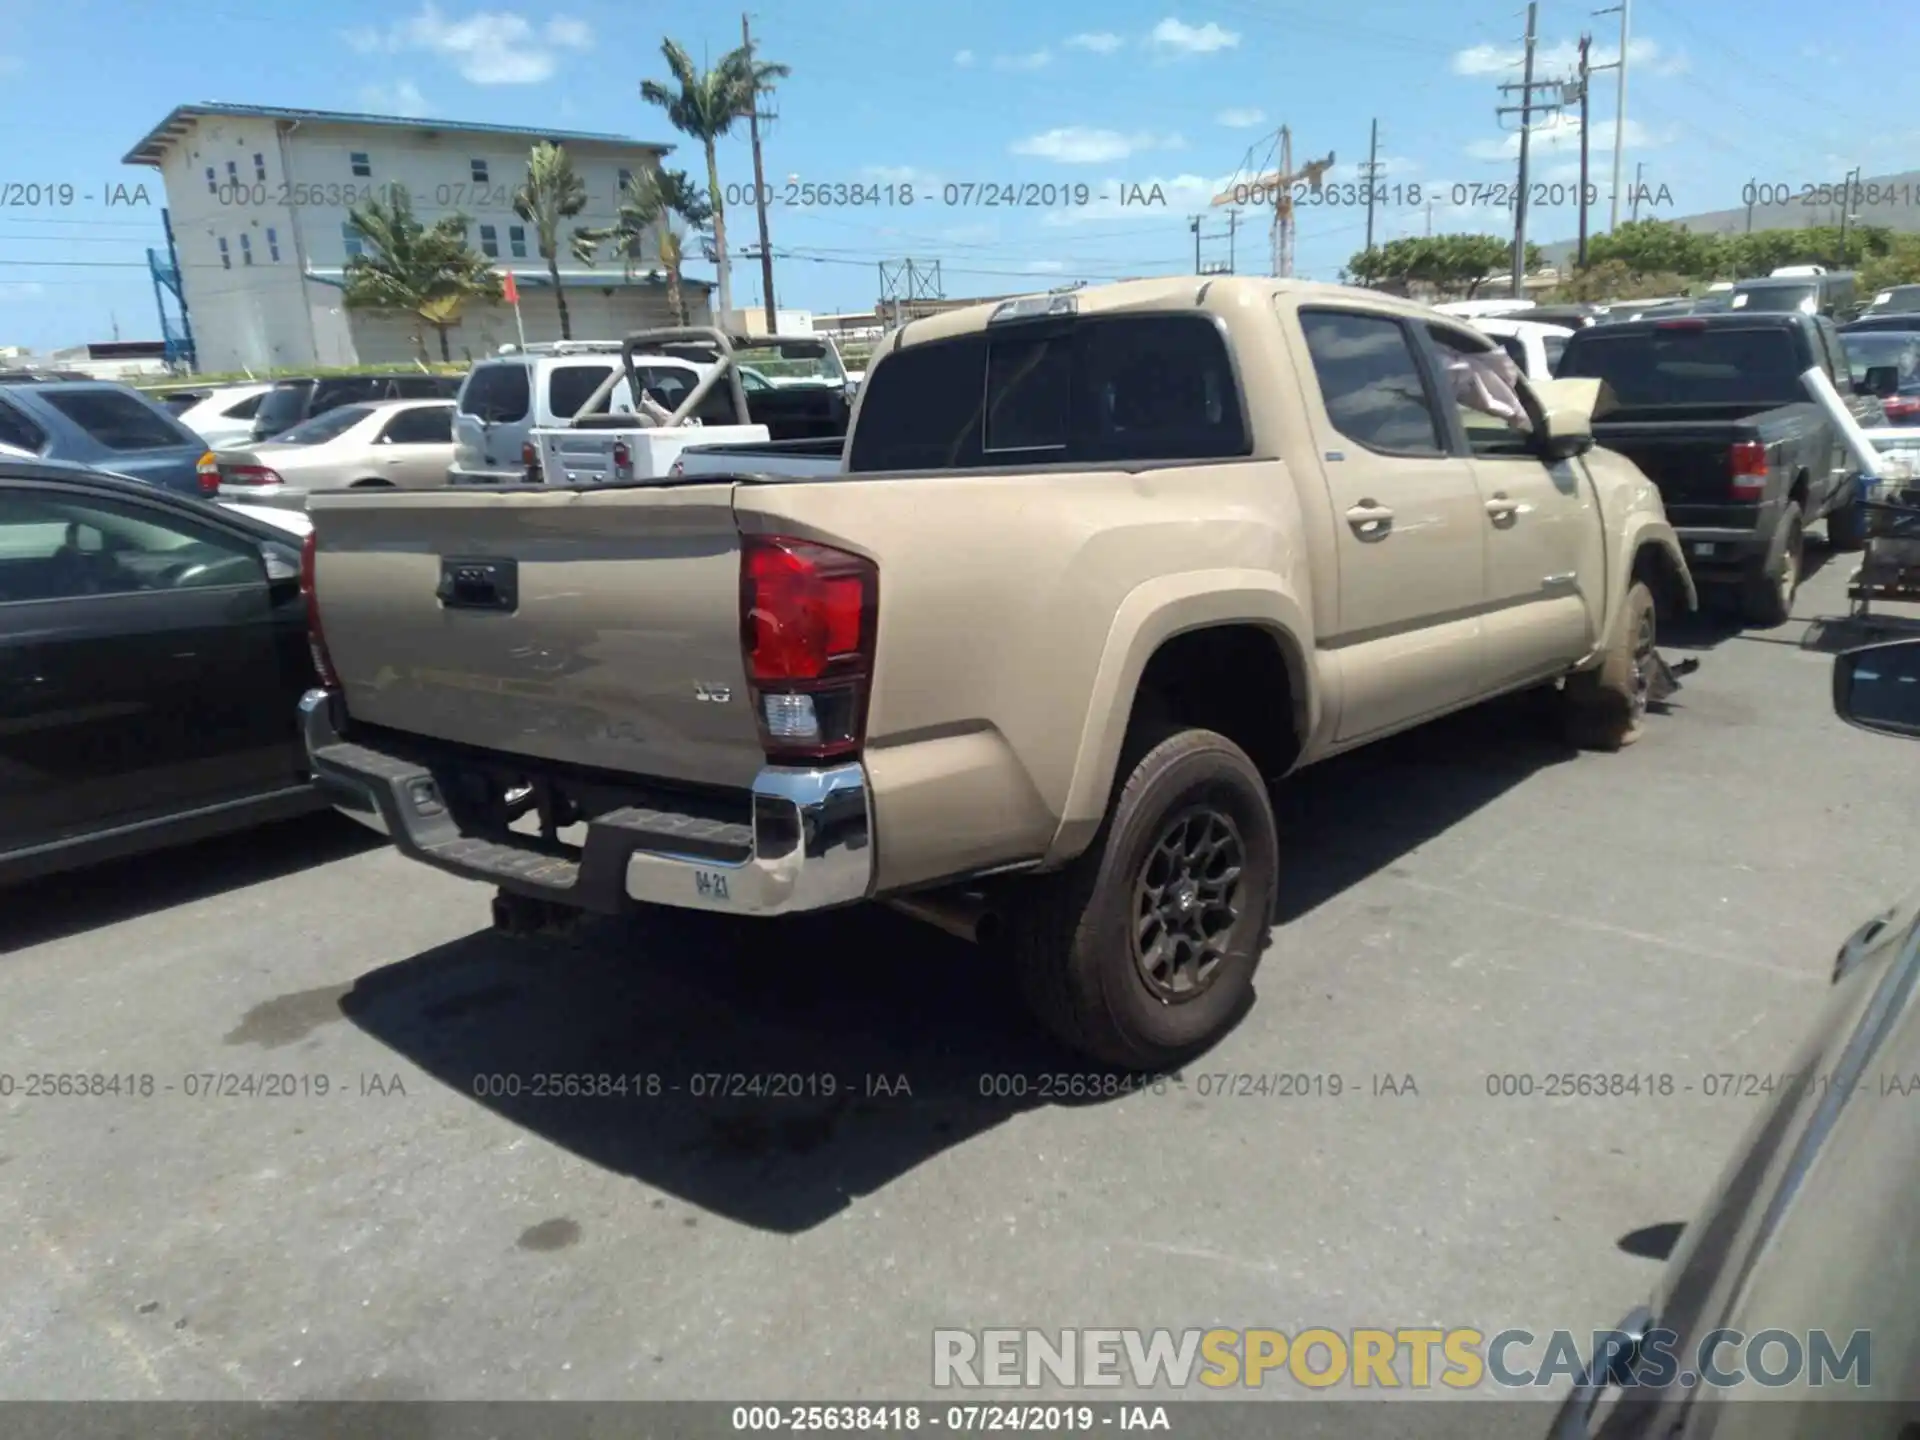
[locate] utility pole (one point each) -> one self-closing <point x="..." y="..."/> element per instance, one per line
<point x="1639" y="169"/>
<point x="1429" y="217"/>
<point x="1194" y="225"/>
<point x="1373" y="174"/>
<point x="760" y="190"/>
<point x="1233" y="223"/>
<point x="1586" y="76"/>
<point x="1846" y="210"/>
<point x="1525" y="108"/>
<point x="1625" y="11"/>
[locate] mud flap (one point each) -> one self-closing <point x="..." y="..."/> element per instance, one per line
<point x="1666" y="678"/>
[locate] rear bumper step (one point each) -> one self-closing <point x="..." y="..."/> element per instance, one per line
<point x="807" y="846"/>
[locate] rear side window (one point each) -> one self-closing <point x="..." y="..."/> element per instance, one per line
<point x="353" y="390"/>
<point x="1135" y="387"/>
<point x="284" y="405"/>
<point x="117" y="420"/>
<point x="570" y="386"/>
<point x="1683" y="366"/>
<point x="497" y="392"/>
<point x="418" y="387"/>
<point x="245" y="409"/>
<point x="1374" y="391"/>
<point x="1514" y="348"/>
<point x="428" y="425"/>
<point x="324" y="427"/>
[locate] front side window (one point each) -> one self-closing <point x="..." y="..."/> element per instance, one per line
<point x="324" y="427"/>
<point x="1488" y="390"/>
<point x="55" y="548"/>
<point x="428" y="425"/>
<point x="1371" y="383"/>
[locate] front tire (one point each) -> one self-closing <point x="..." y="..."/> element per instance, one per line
<point x="1141" y="952"/>
<point x="1606" y="707"/>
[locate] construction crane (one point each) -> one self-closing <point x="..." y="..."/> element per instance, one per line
<point x="1275" y="187"/>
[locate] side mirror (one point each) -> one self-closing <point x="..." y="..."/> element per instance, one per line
<point x="1880" y="380"/>
<point x="1565" y="431"/>
<point x="1877" y="688"/>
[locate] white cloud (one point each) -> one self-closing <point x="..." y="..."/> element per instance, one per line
<point x="1032" y="60"/>
<point x="1101" y="42"/>
<point x="401" y="98"/>
<point x="1561" y="136"/>
<point x="21" y="289"/>
<point x="963" y="58"/>
<point x="490" y="47"/>
<point x="1644" y="57"/>
<point x="1079" y="145"/>
<point x="1181" y="38"/>
<point x="1243" y="118"/>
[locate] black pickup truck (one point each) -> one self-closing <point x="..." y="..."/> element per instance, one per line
<point x="1712" y="409"/>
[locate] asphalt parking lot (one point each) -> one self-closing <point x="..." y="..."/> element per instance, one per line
<point x="1467" y="901"/>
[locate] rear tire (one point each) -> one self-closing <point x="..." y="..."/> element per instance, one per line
<point x="1141" y="952"/>
<point x="1605" y="708"/>
<point x="1766" y="596"/>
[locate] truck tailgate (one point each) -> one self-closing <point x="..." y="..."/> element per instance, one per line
<point x="585" y="456"/>
<point x="1688" y="463"/>
<point x="517" y="621"/>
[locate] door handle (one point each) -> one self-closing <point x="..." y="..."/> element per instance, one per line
<point x="1501" y="508"/>
<point x="1370" y="520"/>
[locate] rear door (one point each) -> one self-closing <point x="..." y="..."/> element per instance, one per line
<point x="1410" y="528"/>
<point x="140" y="673"/>
<point x="492" y="418"/>
<point x="1546" y="561"/>
<point x="415" y="446"/>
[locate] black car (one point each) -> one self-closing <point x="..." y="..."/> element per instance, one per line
<point x="1882" y="320"/>
<point x="1895" y="354"/>
<point x="153" y="650"/>
<point x="1809" y="1236"/>
<point x="1894" y="300"/>
<point x="299" y="398"/>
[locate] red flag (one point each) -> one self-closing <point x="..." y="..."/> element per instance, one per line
<point x="509" y="291"/>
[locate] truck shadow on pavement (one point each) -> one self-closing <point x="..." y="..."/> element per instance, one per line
<point x="775" y="1072"/>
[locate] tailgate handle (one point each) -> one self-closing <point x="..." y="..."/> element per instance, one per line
<point x="479" y="584"/>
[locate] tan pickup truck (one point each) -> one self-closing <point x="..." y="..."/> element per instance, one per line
<point x="1102" y="564"/>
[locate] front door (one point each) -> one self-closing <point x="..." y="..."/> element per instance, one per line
<point x="1408" y="525"/>
<point x="414" y="447"/>
<point x="139" y="672"/>
<point x="1546" y="561"/>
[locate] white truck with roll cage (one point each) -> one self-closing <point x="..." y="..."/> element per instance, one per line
<point x="735" y="411"/>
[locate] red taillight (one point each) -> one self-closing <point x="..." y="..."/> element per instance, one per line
<point x="622" y="456"/>
<point x="1747" y="468"/>
<point x="250" y="475"/>
<point x="807" y="619"/>
<point x="1679" y="324"/>
<point x="1900" y="407"/>
<point x="529" y="456"/>
<point x="316" y="638"/>
<point x="208" y="470"/>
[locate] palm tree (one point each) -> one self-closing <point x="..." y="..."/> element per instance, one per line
<point x="552" y="194"/>
<point x="651" y="205"/>
<point x="427" y="271"/>
<point x="704" y="107"/>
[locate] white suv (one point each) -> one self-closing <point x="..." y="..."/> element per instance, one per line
<point x="506" y="396"/>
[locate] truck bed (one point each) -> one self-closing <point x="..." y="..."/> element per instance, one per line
<point x="1683" y="449"/>
<point x="824" y="456"/>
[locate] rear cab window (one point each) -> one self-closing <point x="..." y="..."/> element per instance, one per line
<point x="118" y="420"/>
<point x="1689" y="365"/>
<point x="497" y="391"/>
<point x="1083" y="391"/>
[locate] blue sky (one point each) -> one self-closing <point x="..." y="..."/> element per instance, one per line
<point x="1110" y="95"/>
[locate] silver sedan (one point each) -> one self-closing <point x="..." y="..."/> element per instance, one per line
<point x="405" y="444"/>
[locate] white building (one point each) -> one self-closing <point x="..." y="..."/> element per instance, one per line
<point x="258" y="200"/>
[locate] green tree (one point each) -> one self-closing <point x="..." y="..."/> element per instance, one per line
<point x="552" y="194"/>
<point x="412" y="268"/>
<point x="703" y="105"/>
<point x="1648" y="247"/>
<point x="656" y="203"/>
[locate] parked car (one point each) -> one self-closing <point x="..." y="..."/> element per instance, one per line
<point x="299" y="398"/>
<point x="153" y="649"/>
<point x="1899" y="320"/>
<point x="225" y="415"/>
<point x="405" y="444"/>
<point x="1894" y="300"/>
<point x="1829" y="293"/>
<point x="1712" y="408"/>
<point x="1814" y="1214"/>
<point x="1887" y="350"/>
<point x="1535" y="348"/>
<point x="507" y="396"/>
<point x="1574" y="317"/>
<point x="1102" y="562"/>
<point x="94" y="422"/>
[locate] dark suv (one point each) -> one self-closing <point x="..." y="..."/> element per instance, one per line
<point x="302" y="397"/>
